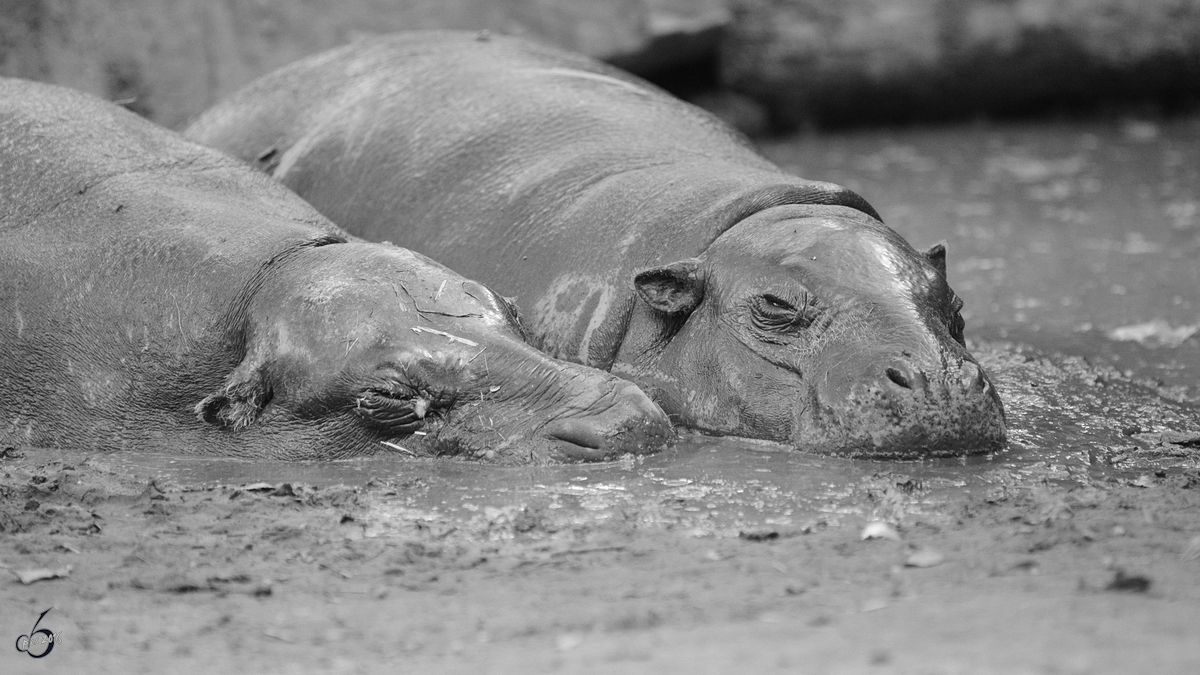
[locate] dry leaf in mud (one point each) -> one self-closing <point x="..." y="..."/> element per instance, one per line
<point x="766" y="535"/>
<point x="30" y="576"/>
<point x="1142" y="481"/>
<point x="1129" y="583"/>
<point x="181" y="584"/>
<point x="1157" y="333"/>
<point x="873" y="605"/>
<point x="281" y="634"/>
<point x="925" y="557"/>
<point x="256" y="487"/>
<point x="877" y="529"/>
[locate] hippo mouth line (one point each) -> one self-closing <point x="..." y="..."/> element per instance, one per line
<point x="560" y="441"/>
<point x="910" y="441"/>
<point x="576" y="440"/>
<point x="918" y="446"/>
<point x="575" y="432"/>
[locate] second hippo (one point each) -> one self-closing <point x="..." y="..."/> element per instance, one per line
<point x="638" y="234"/>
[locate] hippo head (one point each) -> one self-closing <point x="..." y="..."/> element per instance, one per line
<point x="380" y="349"/>
<point x="819" y="327"/>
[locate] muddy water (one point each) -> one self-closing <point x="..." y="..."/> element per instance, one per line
<point x="707" y="485"/>
<point x="1074" y="247"/>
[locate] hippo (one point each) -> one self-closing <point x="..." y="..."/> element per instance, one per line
<point x="157" y="294"/>
<point x="639" y="234"/>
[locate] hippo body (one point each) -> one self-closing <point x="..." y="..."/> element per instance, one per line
<point x="638" y="234"/>
<point x="155" y="293"/>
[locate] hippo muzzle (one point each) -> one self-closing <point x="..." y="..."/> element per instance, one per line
<point x="905" y="412"/>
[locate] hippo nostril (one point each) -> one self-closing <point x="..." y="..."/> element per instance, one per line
<point x="899" y="378"/>
<point x="907" y="378"/>
<point x="576" y="432"/>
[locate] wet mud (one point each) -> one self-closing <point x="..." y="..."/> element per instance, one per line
<point x="1077" y="550"/>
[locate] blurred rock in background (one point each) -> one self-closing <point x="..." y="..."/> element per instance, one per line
<point x="765" y="65"/>
<point x="813" y="62"/>
<point x="171" y="59"/>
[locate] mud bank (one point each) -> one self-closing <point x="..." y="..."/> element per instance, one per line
<point x="1057" y="556"/>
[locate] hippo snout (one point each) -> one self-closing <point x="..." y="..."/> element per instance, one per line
<point x="907" y="412"/>
<point x="631" y="424"/>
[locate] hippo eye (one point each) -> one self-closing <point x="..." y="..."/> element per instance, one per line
<point x="773" y="313"/>
<point x="512" y="314"/>
<point x="391" y="409"/>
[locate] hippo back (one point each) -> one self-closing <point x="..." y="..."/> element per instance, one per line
<point x="123" y="279"/>
<point x="488" y="153"/>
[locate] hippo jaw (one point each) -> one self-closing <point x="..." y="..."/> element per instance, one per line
<point x="820" y="328"/>
<point x="386" y="351"/>
<point x="601" y="418"/>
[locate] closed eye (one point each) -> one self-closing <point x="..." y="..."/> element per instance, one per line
<point x="513" y="315"/>
<point x="777" y="302"/>
<point x="389" y="409"/>
<point x="772" y="313"/>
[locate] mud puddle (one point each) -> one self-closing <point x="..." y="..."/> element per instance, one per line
<point x="1071" y="424"/>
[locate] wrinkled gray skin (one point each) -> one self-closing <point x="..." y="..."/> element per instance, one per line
<point x="156" y="294"/>
<point x="638" y="234"/>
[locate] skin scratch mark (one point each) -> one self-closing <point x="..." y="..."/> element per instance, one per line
<point x="399" y="448"/>
<point x="422" y="312"/>
<point x="395" y="292"/>
<point x="468" y="315"/>
<point x="594" y="77"/>
<point x="452" y="338"/>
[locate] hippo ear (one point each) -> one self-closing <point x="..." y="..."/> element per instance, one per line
<point x="937" y="256"/>
<point x="239" y="402"/>
<point x="672" y="289"/>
